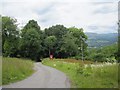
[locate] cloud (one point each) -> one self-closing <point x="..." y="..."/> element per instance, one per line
<point x="102" y="29"/>
<point x="97" y="16"/>
<point x="105" y="8"/>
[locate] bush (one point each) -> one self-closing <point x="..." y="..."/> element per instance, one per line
<point x="99" y="57"/>
<point x="77" y="57"/>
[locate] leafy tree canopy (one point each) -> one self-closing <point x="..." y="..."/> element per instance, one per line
<point x="10" y="35"/>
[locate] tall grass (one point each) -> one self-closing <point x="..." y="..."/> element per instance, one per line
<point x="105" y="76"/>
<point x="0" y="70"/>
<point x="14" y="69"/>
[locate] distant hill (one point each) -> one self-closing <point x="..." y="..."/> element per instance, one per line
<point x="98" y="40"/>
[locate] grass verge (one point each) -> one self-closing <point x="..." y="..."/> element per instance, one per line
<point x="14" y="69"/>
<point x="0" y="70"/>
<point x="87" y="76"/>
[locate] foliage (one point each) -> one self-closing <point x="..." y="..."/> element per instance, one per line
<point x="69" y="48"/>
<point x="31" y="38"/>
<point x="87" y="76"/>
<point x="50" y="42"/>
<point x="31" y="24"/>
<point x="10" y="36"/>
<point x="32" y="42"/>
<point x="107" y="53"/>
<point x="81" y="39"/>
<point x="15" y="69"/>
<point x="58" y="31"/>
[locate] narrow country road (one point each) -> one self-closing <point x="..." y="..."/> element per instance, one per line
<point x="44" y="77"/>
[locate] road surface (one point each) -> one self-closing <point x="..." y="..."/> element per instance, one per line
<point x="44" y="77"/>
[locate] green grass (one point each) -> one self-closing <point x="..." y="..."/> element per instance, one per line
<point x="0" y="70"/>
<point x="89" y="77"/>
<point x="14" y="69"/>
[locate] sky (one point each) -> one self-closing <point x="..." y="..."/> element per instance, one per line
<point x="98" y="16"/>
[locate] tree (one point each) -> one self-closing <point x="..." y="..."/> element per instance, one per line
<point x="80" y="40"/>
<point x="69" y="47"/>
<point x="10" y="36"/>
<point x="31" y="38"/>
<point x="58" y="31"/>
<point x="79" y="34"/>
<point x="32" y="42"/>
<point x="32" y="24"/>
<point x="50" y="42"/>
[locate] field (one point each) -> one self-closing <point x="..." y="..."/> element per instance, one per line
<point x="14" y="69"/>
<point x="87" y="75"/>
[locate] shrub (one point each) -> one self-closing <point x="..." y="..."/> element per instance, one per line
<point x="77" y="57"/>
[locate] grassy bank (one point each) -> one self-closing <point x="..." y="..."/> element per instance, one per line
<point x="14" y="69"/>
<point x="0" y="70"/>
<point x="88" y="75"/>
